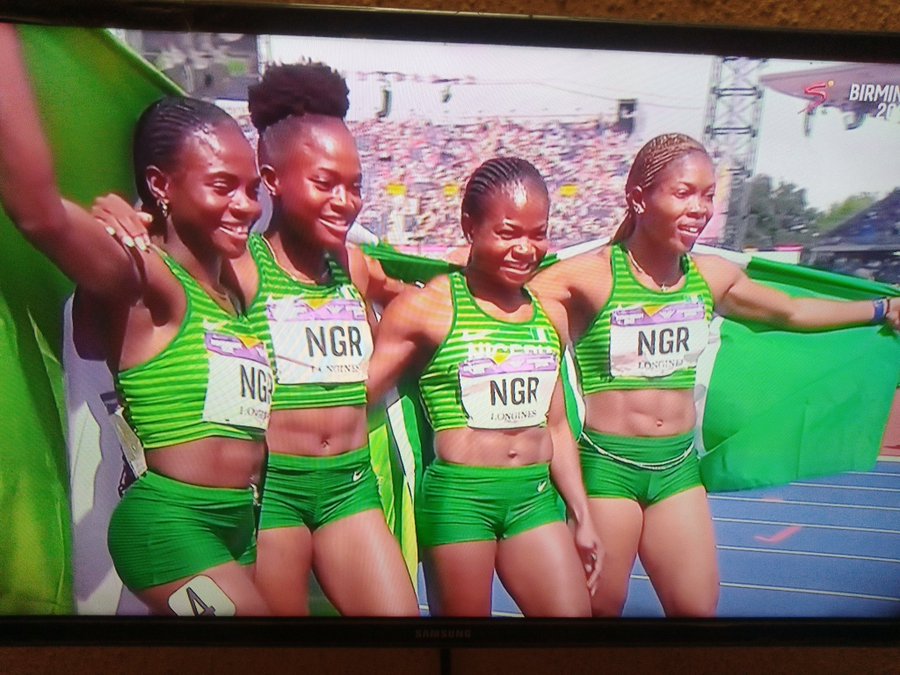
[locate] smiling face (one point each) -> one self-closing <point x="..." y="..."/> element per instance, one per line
<point x="673" y="211"/>
<point x="316" y="182"/>
<point x="509" y="237"/>
<point x="212" y="192"/>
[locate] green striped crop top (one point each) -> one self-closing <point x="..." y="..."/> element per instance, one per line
<point x="213" y="379"/>
<point x="642" y="338"/>
<point x="318" y="335"/>
<point x="488" y="373"/>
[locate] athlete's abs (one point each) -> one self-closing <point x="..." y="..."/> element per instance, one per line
<point x="641" y="412"/>
<point x="317" y="432"/>
<point x="211" y="462"/>
<point x="484" y="447"/>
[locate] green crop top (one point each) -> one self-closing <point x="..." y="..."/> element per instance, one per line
<point x="642" y="338"/>
<point x="318" y="335"/>
<point x="213" y="379"/>
<point x="488" y="373"/>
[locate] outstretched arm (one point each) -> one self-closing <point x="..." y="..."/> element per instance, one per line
<point x="63" y="231"/>
<point x="737" y="295"/>
<point x="565" y="470"/>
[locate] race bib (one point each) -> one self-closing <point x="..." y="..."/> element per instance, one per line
<point x="655" y="341"/>
<point x="240" y="385"/>
<point x="132" y="448"/>
<point x="508" y="391"/>
<point x="325" y="341"/>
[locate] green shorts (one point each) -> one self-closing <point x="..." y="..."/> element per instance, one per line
<point x="645" y="470"/>
<point x="459" y="503"/>
<point x="314" y="491"/>
<point x="164" y="530"/>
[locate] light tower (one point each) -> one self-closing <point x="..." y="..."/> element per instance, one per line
<point x="731" y="133"/>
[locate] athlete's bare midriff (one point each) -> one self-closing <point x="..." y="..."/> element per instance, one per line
<point x="211" y="462"/>
<point x="317" y="432"/>
<point x="491" y="447"/>
<point x="641" y="412"/>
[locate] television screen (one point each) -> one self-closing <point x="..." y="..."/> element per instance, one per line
<point x="788" y="428"/>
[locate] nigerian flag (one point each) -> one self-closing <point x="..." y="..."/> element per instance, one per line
<point x="90" y="91"/>
<point x="772" y="405"/>
<point x="775" y="406"/>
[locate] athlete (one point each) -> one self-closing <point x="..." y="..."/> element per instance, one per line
<point x="309" y="293"/>
<point x="194" y="380"/>
<point x="637" y="313"/>
<point x="487" y="361"/>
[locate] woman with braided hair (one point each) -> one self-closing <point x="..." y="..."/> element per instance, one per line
<point x="637" y="313"/>
<point x="487" y="359"/>
<point x="174" y="334"/>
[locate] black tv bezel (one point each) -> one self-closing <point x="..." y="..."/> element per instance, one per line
<point x="260" y="16"/>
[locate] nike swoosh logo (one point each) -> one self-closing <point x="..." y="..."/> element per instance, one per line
<point x="542" y="486"/>
<point x="475" y="335"/>
<point x="357" y="475"/>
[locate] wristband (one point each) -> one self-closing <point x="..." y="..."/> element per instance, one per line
<point x="880" y="309"/>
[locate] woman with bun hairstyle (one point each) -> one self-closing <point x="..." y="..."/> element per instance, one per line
<point x="310" y="295"/>
<point x="638" y="313"/>
<point x="193" y="378"/>
<point x="487" y="360"/>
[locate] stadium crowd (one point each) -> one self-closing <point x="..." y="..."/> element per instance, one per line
<point x="415" y="172"/>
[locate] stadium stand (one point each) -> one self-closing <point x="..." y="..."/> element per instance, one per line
<point x="866" y="245"/>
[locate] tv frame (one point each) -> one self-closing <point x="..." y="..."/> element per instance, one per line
<point x="264" y="17"/>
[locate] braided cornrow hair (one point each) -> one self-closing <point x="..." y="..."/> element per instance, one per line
<point x="656" y="154"/>
<point x="288" y="92"/>
<point x="494" y="175"/>
<point x="160" y="133"/>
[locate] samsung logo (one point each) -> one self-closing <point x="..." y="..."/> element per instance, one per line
<point x="443" y="633"/>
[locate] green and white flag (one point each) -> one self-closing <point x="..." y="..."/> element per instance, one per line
<point x="90" y="91"/>
<point x="775" y="406"/>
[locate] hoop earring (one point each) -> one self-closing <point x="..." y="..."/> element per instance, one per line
<point x="163" y="207"/>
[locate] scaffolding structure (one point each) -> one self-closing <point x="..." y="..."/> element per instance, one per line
<point x="731" y="134"/>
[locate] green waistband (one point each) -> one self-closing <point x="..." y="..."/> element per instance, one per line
<point x="194" y="494"/>
<point x="307" y="463"/>
<point x="468" y="470"/>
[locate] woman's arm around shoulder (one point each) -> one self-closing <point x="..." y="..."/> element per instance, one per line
<point x="370" y="278"/>
<point x="572" y="291"/>
<point x="411" y="328"/>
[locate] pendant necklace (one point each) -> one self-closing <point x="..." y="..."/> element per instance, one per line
<point x="664" y="286"/>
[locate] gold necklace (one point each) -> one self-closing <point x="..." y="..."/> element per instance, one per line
<point x="228" y="298"/>
<point x="664" y="286"/>
<point x="323" y="278"/>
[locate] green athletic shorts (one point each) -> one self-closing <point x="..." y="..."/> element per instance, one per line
<point x="645" y="470"/>
<point x="459" y="503"/>
<point x="314" y="491"/>
<point x="164" y="530"/>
